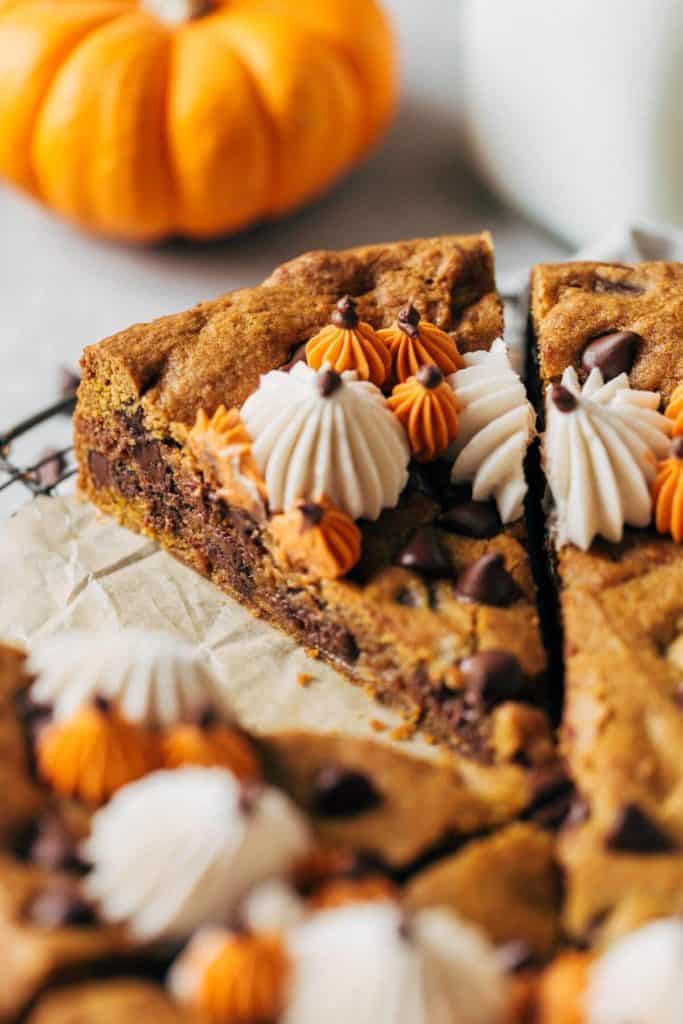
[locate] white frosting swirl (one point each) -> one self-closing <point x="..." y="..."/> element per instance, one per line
<point x="346" y="445"/>
<point x="600" y="457"/>
<point x="640" y="978"/>
<point x="153" y="677"/>
<point x="179" y="849"/>
<point x="368" y="963"/>
<point x="495" y="428"/>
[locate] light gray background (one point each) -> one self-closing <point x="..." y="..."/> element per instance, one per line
<point x="60" y="290"/>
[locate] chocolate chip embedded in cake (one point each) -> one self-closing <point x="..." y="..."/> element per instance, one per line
<point x="380" y="587"/>
<point x="620" y="582"/>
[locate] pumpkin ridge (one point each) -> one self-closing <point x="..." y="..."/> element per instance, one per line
<point x="56" y="63"/>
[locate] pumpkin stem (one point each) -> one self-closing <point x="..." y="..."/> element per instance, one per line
<point x="177" y="12"/>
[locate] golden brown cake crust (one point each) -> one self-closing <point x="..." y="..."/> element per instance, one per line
<point x="215" y="352"/>
<point x="622" y="613"/>
<point x="572" y="303"/>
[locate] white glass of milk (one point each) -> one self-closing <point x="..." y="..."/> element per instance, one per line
<point x="575" y="110"/>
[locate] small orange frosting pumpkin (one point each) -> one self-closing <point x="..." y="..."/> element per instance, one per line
<point x="428" y="410"/>
<point x="221" y="448"/>
<point x="95" y="753"/>
<point x="245" y="983"/>
<point x="212" y="745"/>
<point x="674" y="411"/>
<point x="414" y="342"/>
<point x="341" y="892"/>
<point x="667" y="493"/>
<point x="562" y="989"/>
<point x="318" y="538"/>
<point x="347" y="343"/>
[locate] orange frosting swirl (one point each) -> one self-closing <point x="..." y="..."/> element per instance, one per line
<point x="343" y="891"/>
<point x="414" y="343"/>
<point x="428" y="410"/>
<point x="350" y="344"/>
<point x="221" y="448"/>
<point x="674" y="411"/>
<point x="245" y="983"/>
<point x="667" y="493"/>
<point x="95" y="753"/>
<point x="210" y="746"/>
<point x="318" y="538"/>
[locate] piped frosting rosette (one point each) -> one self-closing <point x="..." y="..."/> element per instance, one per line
<point x="180" y="849"/>
<point x="495" y="427"/>
<point x="602" y="445"/>
<point x="318" y="433"/>
<point x="363" y="963"/>
<point x="152" y="677"/>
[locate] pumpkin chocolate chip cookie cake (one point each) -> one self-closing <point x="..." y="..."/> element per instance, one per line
<point x="348" y="451"/>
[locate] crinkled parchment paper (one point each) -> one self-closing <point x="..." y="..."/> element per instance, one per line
<point x="63" y="565"/>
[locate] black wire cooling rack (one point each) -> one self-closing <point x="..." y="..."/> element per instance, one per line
<point x="43" y="473"/>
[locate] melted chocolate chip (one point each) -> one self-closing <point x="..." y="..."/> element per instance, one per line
<point x="487" y="581"/>
<point x="562" y="398"/>
<point x="429" y="376"/>
<point x="328" y="382"/>
<point x="612" y="353"/>
<point x="677" y="448"/>
<point x="492" y="677"/>
<point x="478" y="519"/>
<point x="346" y="314"/>
<point x="311" y="514"/>
<point x="433" y="479"/>
<point x="406" y="597"/>
<point x="296" y="355"/>
<point x="100" y="470"/>
<point x="52" y="846"/>
<point x="342" y="793"/>
<point x="147" y="455"/>
<point x="552" y="799"/>
<point x="602" y="284"/>
<point x="636" y="832"/>
<point x="409" y="320"/>
<point x="424" y="554"/>
<point x="60" y="905"/>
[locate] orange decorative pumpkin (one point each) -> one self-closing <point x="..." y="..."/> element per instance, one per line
<point x="140" y="119"/>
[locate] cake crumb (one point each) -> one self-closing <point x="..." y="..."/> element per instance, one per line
<point x="312" y="653"/>
<point x="304" y="678"/>
<point x="377" y="725"/>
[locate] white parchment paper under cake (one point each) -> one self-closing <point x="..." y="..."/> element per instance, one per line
<point x="63" y="565"/>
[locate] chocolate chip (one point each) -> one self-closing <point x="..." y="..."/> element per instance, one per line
<point x="562" y="398"/>
<point x="296" y="355"/>
<point x="311" y="514"/>
<point x="406" y="597"/>
<point x="346" y="314"/>
<point x="487" y="581"/>
<point x="342" y="793"/>
<point x="472" y="519"/>
<point x="612" y="353"/>
<point x="552" y="799"/>
<point x="635" y="832"/>
<point x="433" y="479"/>
<point x="409" y="320"/>
<point x="429" y="376"/>
<point x="52" y="846"/>
<point x="492" y="677"/>
<point x="68" y="382"/>
<point x="602" y="284"/>
<point x="60" y="905"/>
<point x="424" y="554"/>
<point x="99" y="468"/>
<point x="328" y="382"/>
<point x="677" y="448"/>
<point x="147" y="455"/>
